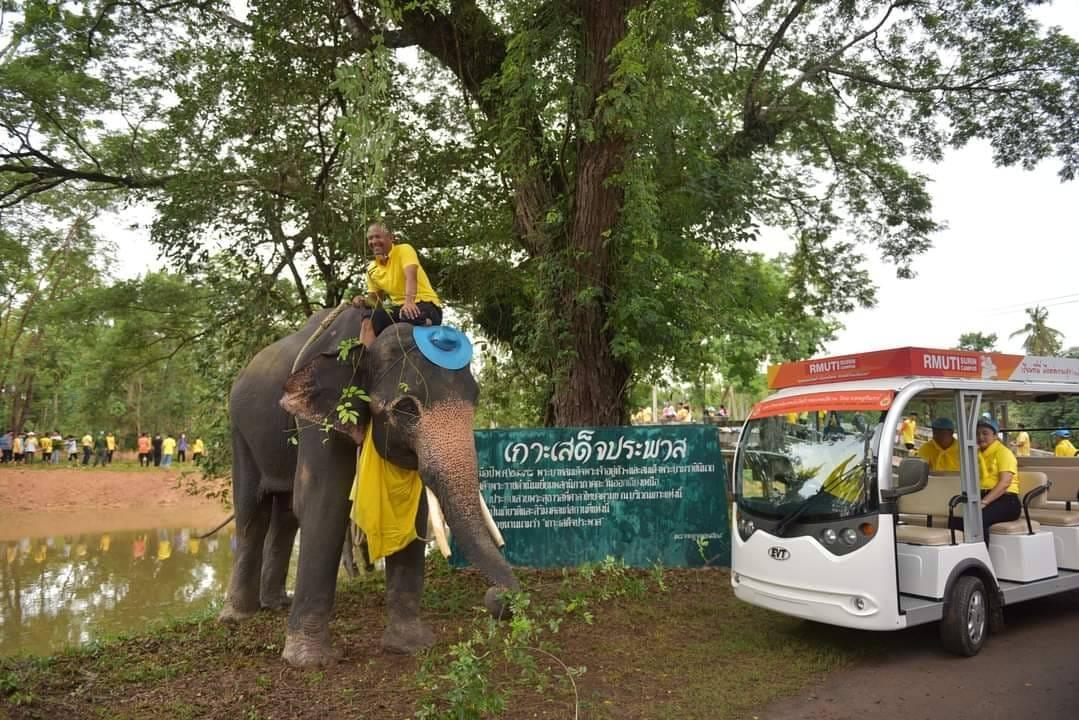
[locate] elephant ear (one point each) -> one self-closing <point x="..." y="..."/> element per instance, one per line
<point x="325" y="391"/>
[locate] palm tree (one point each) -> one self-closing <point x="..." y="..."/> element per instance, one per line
<point x="1041" y="339"/>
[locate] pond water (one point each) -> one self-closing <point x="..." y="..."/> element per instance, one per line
<point x="67" y="590"/>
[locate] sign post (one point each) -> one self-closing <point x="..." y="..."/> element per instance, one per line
<point x="645" y="495"/>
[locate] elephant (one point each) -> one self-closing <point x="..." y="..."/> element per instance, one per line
<point x="294" y="460"/>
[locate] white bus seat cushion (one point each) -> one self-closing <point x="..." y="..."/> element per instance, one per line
<point x="1056" y="518"/>
<point x="1014" y="527"/>
<point x="914" y="535"/>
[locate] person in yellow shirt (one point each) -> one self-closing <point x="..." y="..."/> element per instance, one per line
<point x="1063" y="447"/>
<point x="168" y="449"/>
<point x="999" y="483"/>
<point x="942" y="452"/>
<point x="87" y="448"/>
<point x="683" y="415"/>
<point x="1022" y="441"/>
<point x="46" y="447"/>
<point x="110" y="446"/>
<point x="396" y="274"/>
<point x="906" y="431"/>
<point x="197" y="451"/>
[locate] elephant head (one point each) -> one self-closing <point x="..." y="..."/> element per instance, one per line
<point x="422" y="417"/>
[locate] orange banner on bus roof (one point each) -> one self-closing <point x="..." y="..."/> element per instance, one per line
<point x="924" y="362"/>
<point x="836" y="400"/>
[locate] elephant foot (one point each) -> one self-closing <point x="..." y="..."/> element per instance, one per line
<point x="493" y="601"/>
<point x="305" y="651"/>
<point x="231" y="615"/>
<point x="407" y="638"/>
<point x="276" y="602"/>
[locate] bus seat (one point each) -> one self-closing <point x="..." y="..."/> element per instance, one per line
<point x="918" y="535"/>
<point x="927" y="503"/>
<point x="1063" y="491"/>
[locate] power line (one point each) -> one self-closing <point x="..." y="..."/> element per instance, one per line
<point x="1043" y="302"/>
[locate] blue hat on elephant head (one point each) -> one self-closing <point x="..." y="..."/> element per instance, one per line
<point x="443" y="345"/>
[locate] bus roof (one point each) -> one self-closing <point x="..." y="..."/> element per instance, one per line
<point x="910" y="362"/>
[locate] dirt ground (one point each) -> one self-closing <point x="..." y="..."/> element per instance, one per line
<point x="1029" y="671"/>
<point x="37" y="501"/>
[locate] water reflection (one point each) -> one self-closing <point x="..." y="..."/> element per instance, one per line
<point x="69" y="589"/>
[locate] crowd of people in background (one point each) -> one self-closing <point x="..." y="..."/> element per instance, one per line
<point x="90" y="449"/>
<point x="677" y="413"/>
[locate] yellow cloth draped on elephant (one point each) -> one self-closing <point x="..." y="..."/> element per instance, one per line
<point x="385" y="499"/>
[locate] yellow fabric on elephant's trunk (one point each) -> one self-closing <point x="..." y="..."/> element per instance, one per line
<point x="385" y="499"/>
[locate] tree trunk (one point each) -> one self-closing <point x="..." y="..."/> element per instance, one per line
<point x="592" y="390"/>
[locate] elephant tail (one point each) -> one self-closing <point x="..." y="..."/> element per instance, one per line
<point x="224" y="522"/>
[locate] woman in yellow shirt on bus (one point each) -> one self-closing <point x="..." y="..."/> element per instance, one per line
<point x="1063" y="447"/>
<point x="999" y="483"/>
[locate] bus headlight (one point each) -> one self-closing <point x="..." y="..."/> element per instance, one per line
<point x="828" y="536"/>
<point x="849" y="536"/>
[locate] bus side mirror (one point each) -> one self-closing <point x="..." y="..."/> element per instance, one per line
<point x="913" y="476"/>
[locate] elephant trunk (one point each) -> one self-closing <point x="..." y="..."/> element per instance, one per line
<point x="446" y="452"/>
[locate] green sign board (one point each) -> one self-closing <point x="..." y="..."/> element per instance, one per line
<point x="646" y="495"/>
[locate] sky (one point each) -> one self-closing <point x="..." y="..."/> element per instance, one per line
<point x="1012" y="242"/>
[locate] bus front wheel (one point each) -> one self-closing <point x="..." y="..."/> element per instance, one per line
<point x="966" y="617"/>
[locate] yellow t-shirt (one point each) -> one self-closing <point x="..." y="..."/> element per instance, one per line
<point x="1064" y="448"/>
<point x="940" y="459"/>
<point x="110" y="441"/>
<point x="1022" y="444"/>
<point x="198" y="447"/>
<point x="168" y="446"/>
<point x="389" y="278"/>
<point x="88" y="440"/>
<point x="994" y="460"/>
<point x="46" y="444"/>
<point x="906" y="430"/>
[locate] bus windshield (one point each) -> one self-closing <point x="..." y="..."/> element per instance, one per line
<point x="811" y="467"/>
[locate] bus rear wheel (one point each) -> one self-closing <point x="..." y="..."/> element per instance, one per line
<point x="966" y="617"/>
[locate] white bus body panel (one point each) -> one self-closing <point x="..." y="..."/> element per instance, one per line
<point x="814" y="584"/>
<point x="1067" y="545"/>
<point x="1023" y="558"/>
<point x="924" y="569"/>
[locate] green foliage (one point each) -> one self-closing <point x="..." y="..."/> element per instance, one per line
<point x="586" y="183"/>
<point x="459" y="684"/>
<point x="1040" y="338"/>
<point x="977" y="342"/>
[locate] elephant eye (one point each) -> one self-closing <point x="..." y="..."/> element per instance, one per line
<point x="406" y="410"/>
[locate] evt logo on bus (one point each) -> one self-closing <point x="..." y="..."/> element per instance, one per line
<point x="778" y="553"/>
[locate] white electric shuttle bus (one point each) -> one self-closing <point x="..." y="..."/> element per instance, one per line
<point x="835" y="521"/>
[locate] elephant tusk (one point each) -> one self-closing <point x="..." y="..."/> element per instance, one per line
<point x="490" y="522"/>
<point x="437" y="522"/>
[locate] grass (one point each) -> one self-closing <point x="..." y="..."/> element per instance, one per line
<point x="604" y="642"/>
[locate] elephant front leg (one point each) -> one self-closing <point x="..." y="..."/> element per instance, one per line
<point x="276" y="554"/>
<point x="321" y="506"/>
<point x="405" y="633"/>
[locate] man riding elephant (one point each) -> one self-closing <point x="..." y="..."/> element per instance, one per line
<point x="416" y="408"/>
<point x="396" y="274"/>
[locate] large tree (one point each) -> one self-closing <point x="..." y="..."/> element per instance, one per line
<point x="586" y="177"/>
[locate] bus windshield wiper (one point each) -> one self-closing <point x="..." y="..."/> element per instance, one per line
<point x="833" y="485"/>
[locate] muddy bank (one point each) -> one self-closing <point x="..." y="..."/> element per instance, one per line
<point x="38" y="501"/>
